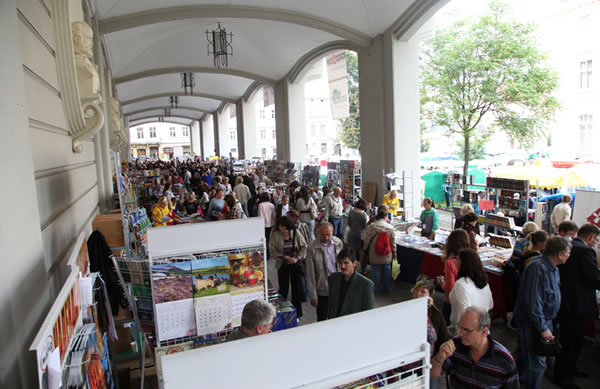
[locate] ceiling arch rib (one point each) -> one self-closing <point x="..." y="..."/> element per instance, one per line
<point x="218" y="99"/>
<point x="202" y="69"/>
<point x="173" y="110"/>
<point x="155" y="117"/>
<point x="123" y="22"/>
<point x="183" y="121"/>
<point x="318" y="53"/>
<point x="161" y="113"/>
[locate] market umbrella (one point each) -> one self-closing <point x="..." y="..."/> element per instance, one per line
<point x="585" y="175"/>
<point x="538" y="176"/>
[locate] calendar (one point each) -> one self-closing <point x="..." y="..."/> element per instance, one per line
<point x="213" y="313"/>
<point x="240" y="299"/>
<point x="175" y="319"/>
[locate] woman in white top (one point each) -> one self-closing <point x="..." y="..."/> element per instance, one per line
<point x="471" y="287"/>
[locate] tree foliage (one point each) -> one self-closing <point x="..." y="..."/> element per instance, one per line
<point x="425" y="142"/>
<point x="350" y="132"/>
<point x="489" y="68"/>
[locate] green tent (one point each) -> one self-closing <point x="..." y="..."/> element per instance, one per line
<point x="433" y="186"/>
<point x="435" y="179"/>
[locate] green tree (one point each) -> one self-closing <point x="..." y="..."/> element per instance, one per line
<point x="476" y="148"/>
<point x="350" y="126"/>
<point x="488" y="68"/>
<point x="425" y="142"/>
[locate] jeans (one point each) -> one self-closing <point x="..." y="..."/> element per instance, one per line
<point x="245" y="209"/>
<point x="338" y="229"/>
<point x="379" y="271"/>
<point x="531" y="366"/>
<point x="293" y="273"/>
<point x="447" y="199"/>
<point x="311" y="228"/>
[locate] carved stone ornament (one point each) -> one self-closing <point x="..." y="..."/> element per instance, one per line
<point x="77" y="75"/>
<point x="117" y="132"/>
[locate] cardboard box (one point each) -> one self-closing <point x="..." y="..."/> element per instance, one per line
<point x="111" y="227"/>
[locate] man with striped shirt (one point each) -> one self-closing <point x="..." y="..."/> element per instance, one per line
<point x="473" y="359"/>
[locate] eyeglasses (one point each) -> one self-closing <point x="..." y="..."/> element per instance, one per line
<point x="465" y="330"/>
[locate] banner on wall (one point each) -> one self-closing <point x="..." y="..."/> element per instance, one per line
<point x="337" y="75"/>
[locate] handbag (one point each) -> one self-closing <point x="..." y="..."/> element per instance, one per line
<point x="548" y="348"/>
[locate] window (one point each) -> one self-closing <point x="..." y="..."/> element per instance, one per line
<point x="141" y="152"/>
<point x="273" y="114"/>
<point x="313" y="130"/>
<point x="154" y="152"/>
<point x="323" y="133"/>
<point x="185" y="131"/>
<point x="172" y="132"/>
<point x="274" y="133"/>
<point x="232" y="135"/>
<point x="152" y="132"/>
<point x="323" y="148"/>
<point x="140" y="133"/>
<point x="586" y="23"/>
<point x="585" y="131"/>
<point x="261" y="113"/>
<point x="263" y="133"/>
<point x="263" y="152"/>
<point x="585" y="74"/>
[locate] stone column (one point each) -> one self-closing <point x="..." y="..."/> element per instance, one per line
<point x="249" y="119"/>
<point x="239" y="117"/>
<point x="289" y="121"/>
<point x="195" y="137"/>
<point x="208" y="136"/>
<point x="24" y="291"/>
<point x="389" y="112"/>
<point x="216" y="140"/>
<point x="223" y="129"/>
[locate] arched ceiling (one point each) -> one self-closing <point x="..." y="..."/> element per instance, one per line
<point x="149" y="42"/>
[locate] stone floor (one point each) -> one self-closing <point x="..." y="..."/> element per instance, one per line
<point x="589" y="360"/>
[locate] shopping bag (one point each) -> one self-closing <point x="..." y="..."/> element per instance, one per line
<point x="395" y="269"/>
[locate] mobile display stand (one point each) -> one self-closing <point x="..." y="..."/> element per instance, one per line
<point x="202" y="276"/>
<point x="404" y="183"/>
<point x="326" y="354"/>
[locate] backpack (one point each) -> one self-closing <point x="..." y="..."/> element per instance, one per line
<point x="382" y="244"/>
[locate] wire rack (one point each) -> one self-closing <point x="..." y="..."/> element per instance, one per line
<point x="216" y="337"/>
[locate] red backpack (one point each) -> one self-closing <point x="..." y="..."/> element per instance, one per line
<point x="382" y="245"/>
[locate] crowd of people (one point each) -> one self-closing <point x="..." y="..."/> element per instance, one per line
<point x="552" y="279"/>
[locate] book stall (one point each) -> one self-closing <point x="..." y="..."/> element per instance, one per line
<point x="311" y="176"/>
<point x="72" y="345"/>
<point x="282" y="172"/>
<point x="351" y="179"/>
<point x="333" y="174"/>
<point x="510" y="196"/>
<point x="327" y="349"/>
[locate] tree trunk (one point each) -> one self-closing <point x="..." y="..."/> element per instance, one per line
<point x="466" y="157"/>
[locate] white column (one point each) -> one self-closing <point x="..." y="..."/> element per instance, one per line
<point x="208" y="137"/>
<point x="223" y="129"/>
<point x="24" y="292"/>
<point x="289" y="121"/>
<point x="195" y="137"/>
<point x="104" y="159"/>
<point x="239" y="118"/>
<point x="249" y="118"/>
<point x="389" y="111"/>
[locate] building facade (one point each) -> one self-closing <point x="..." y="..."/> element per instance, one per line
<point x="160" y="140"/>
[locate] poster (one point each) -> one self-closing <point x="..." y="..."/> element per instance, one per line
<point x="246" y="270"/>
<point x="175" y="319"/>
<point x="338" y="84"/>
<point x="213" y="313"/>
<point x="210" y="276"/>
<point x="240" y="298"/>
<point x="587" y="210"/>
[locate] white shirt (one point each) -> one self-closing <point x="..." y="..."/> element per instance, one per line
<point x="465" y="294"/>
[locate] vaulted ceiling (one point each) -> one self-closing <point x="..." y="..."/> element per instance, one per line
<point x="150" y="42"/>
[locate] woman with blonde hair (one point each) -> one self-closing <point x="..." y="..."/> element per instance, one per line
<point x="161" y="213"/>
<point x="528" y="229"/>
<point x="392" y="202"/>
<point x="463" y="211"/>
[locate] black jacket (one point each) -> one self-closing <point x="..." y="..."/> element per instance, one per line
<point x="579" y="279"/>
<point x="100" y="261"/>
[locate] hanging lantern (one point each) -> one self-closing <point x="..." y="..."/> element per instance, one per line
<point x="167" y="112"/>
<point x="161" y="119"/>
<point x="188" y="83"/>
<point x="219" y="45"/>
<point x="174" y="101"/>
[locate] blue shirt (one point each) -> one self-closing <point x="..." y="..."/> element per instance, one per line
<point x="208" y="179"/>
<point x="538" y="299"/>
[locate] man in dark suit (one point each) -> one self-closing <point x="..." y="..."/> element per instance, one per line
<point x="579" y="279"/>
<point x="349" y="291"/>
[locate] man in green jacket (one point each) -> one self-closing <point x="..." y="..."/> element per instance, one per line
<point x="349" y="291"/>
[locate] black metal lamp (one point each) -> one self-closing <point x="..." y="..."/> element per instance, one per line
<point x="174" y="101"/>
<point x="219" y="45"/>
<point x="167" y="112"/>
<point x="188" y="83"/>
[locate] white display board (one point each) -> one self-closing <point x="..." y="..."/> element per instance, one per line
<point x="320" y="355"/>
<point x="587" y="210"/>
<point x="203" y="237"/>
